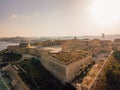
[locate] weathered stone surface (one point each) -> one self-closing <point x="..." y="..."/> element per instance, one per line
<point x="76" y="68"/>
<point x="64" y="73"/>
<point x="93" y="46"/>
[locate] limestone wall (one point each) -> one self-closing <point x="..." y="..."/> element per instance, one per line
<point x="64" y="73"/>
<point x="77" y="67"/>
<point x="94" y="46"/>
<point x="117" y="45"/>
<point x="57" y="69"/>
<point x="49" y="43"/>
<point x="18" y="49"/>
<point x="34" y="52"/>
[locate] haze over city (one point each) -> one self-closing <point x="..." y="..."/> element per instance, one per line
<point x="38" y="18"/>
<point x="59" y="45"/>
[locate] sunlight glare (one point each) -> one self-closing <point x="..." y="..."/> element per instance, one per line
<point x="105" y="12"/>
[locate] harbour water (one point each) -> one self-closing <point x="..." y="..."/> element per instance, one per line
<point x="4" y="45"/>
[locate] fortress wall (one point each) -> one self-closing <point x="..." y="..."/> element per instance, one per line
<point x="51" y="43"/>
<point x="77" y="67"/>
<point x="35" y="52"/>
<point x="117" y="45"/>
<point x="17" y="49"/>
<point x="64" y="73"/>
<point x="92" y="45"/>
<point x="57" y="69"/>
<point x="21" y="50"/>
<point x="72" y="45"/>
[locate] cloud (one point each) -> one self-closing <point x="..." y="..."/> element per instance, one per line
<point x="16" y="17"/>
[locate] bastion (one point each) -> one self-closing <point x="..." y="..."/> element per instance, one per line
<point x="65" y="66"/>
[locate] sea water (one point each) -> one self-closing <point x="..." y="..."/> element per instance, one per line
<point x="4" y="45"/>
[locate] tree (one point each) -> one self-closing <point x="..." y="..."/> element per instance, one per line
<point x="116" y="54"/>
<point x="11" y="56"/>
<point x="113" y="79"/>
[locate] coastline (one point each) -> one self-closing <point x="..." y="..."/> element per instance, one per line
<point x="4" y="83"/>
<point x="4" y="45"/>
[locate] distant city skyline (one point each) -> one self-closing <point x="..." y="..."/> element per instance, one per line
<point x="39" y="18"/>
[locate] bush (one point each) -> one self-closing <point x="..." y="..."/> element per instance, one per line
<point x="113" y="79"/>
<point x="116" y="54"/>
<point x="11" y="56"/>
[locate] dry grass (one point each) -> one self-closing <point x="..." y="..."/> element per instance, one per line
<point x="68" y="57"/>
<point x="89" y="79"/>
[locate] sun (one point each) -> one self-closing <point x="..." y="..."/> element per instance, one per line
<point x="105" y="12"/>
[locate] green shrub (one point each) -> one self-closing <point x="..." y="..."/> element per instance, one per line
<point x="116" y="54"/>
<point x="11" y="56"/>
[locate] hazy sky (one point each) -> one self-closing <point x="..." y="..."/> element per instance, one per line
<point x="59" y="17"/>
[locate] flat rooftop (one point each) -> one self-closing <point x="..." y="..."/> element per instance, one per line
<point x="69" y="57"/>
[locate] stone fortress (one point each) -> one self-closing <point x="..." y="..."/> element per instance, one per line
<point x="63" y="66"/>
<point x="94" y="46"/>
<point x="72" y="59"/>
